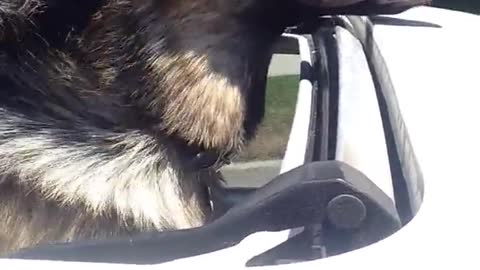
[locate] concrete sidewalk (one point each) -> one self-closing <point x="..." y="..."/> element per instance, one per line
<point x="283" y="64"/>
<point x="251" y="174"/>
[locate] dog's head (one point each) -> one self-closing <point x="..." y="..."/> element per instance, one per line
<point x="194" y="70"/>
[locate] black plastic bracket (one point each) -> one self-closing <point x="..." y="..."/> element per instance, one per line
<point x="343" y="200"/>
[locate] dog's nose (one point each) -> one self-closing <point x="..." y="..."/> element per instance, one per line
<point x="358" y="7"/>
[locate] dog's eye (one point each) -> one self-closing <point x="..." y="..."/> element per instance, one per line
<point x="203" y="160"/>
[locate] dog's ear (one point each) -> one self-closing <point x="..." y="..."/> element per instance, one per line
<point x="360" y="7"/>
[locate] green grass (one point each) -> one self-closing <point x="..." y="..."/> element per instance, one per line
<point x="280" y="103"/>
<point x="272" y="135"/>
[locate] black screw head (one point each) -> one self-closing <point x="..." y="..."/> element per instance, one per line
<point x="346" y="211"/>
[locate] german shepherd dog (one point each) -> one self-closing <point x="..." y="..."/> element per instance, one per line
<point x="107" y="107"/>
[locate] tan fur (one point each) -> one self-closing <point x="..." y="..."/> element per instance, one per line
<point x="209" y="105"/>
<point x="47" y="220"/>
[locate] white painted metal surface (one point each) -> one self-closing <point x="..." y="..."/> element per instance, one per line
<point x="435" y="73"/>
<point x="360" y="138"/>
<point x="298" y="140"/>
